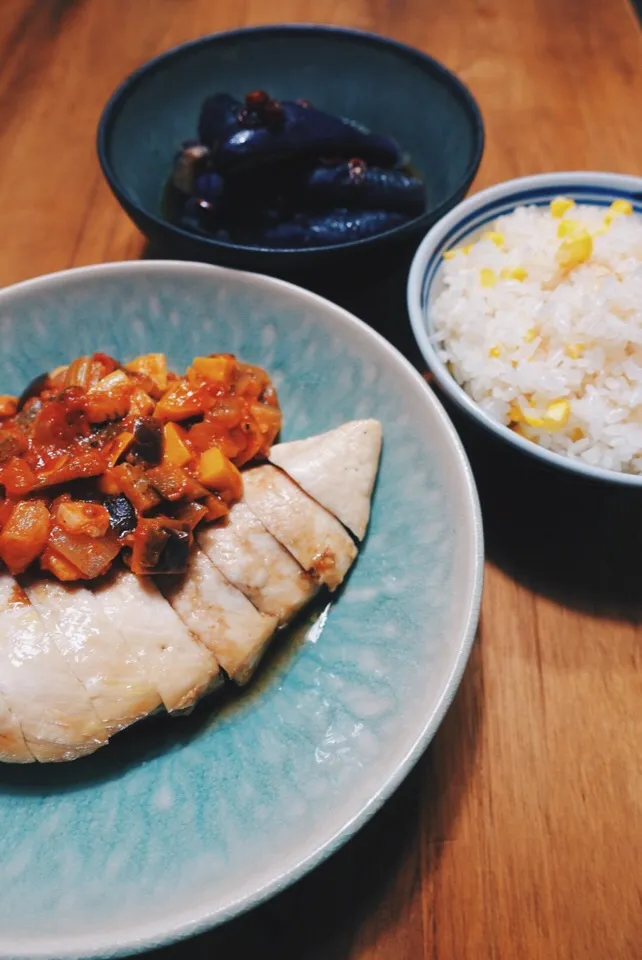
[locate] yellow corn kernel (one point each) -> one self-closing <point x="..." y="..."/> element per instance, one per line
<point x="575" y="250"/>
<point x="514" y="273"/>
<point x="218" y="473"/>
<point x="488" y="277"/>
<point x="176" y="451"/>
<point x="530" y="335"/>
<point x="619" y="208"/>
<point x="515" y="413"/>
<point x="569" y="228"/>
<point x="575" y="350"/>
<point x="450" y="254"/>
<point x="560" y="205"/>
<point x="494" y="352"/>
<point x="218" y="369"/>
<point x="622" y="207"/>
<point x="533" y="419"/>
<point x="577" y="434"/>
<point x="557" y="414"/>
<point x="495" y="237"/>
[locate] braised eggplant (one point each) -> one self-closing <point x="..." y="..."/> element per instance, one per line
<point x="265" y="172"/>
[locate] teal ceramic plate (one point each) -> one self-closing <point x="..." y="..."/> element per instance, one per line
<point x="182" y="823"/>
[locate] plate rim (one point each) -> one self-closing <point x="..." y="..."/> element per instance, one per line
<point x="150" y="936"/>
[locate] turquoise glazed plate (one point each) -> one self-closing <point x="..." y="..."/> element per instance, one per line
<point x="180" y="824"/>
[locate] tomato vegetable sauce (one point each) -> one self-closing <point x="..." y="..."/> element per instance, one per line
<point x="99" y="459"/>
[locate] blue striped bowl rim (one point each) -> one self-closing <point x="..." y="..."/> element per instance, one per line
<point x="467" y="219"/>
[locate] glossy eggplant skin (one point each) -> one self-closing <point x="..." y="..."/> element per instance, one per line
<point x="266" y="132"/>
<point x="284" y="174"/>
<point x="337" y="226"/>
<point x="356" y="186"/>
<point x="218" y="118"/>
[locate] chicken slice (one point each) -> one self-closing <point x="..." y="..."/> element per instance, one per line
<point x="220" y="615"/>
<point x="96" y="653"/>
<point x="338" y="469"/>
<point x="313" y="536"/>
<point x="177" y="664"/>
<point x="53" y="709"/>
<point x="254" y="562"/>
<point x="13" y="748"/>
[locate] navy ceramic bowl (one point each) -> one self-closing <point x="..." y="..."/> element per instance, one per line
<point x="386" y="85"/>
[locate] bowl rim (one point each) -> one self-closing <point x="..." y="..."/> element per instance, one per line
<point x="128" y="86"/>
<point x="154" y="935"/>
<point x="431" y="248"/>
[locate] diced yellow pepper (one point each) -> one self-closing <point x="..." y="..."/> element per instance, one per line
<point x="514" y="273"/>
<point x="575" y="250"/>
<point x="218" y="369"/>
<point x="488" y="277"/>
<point x="495" y="237"/>
<point x="494" y="352"/>
<point x="577" y="434"/>
<point x="560" y="205"/>
<point x="152" y="365"/>
<point x="218" y="473"/>
<point x="176" y="451"/>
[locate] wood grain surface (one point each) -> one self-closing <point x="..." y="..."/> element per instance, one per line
<point x="519" y="835"/>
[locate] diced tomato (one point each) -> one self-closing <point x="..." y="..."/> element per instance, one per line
<point x="8" y="406"/>
<point x="17" y="478"/>
<point x="78" y="464"/>
<point x="78" y="434"/>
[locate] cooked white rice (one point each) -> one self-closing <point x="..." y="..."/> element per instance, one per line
<point x="557" y="355"/>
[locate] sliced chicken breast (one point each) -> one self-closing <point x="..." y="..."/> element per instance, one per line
<point x="13" y="748"/>
<point x="53" y="709"/>
<point x="96" y="653"/>
<point x="180" y="667"/>
<point x="254" y="562"/>
<point x="338" y="469"/>
<point x="220" y="615"/>
<point x="315" y="538"/>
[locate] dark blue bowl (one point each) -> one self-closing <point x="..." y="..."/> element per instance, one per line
<point x="386" y="85"/>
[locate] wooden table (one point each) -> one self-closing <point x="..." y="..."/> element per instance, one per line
<point x="520" y="833"/>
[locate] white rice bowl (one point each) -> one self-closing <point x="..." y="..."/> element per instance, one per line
<point x="557" y="355"/>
